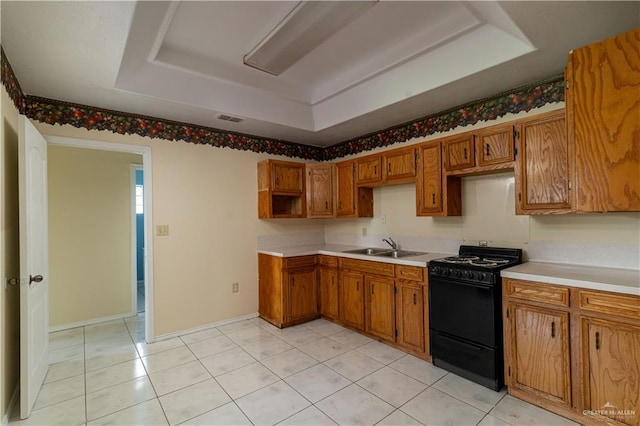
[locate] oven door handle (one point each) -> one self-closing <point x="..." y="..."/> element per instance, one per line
<point x="456" y="282"/>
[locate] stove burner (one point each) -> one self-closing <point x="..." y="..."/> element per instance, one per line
<point x="460" y="259"/>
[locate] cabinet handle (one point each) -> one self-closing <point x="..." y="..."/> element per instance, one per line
<point x="375" y="170"/>
<point x="357" y="285"/>
<point x="487" y="147"/>
<point x="465" y="153"/>
<point x="371" y="288"/>
<point x="333" y="280"/>
<point x="389" y="168"/>
<point x="553" y="329"/>
<point x="597" y="340"/>
<point x="340" y="204"/>
<point x="277" y="181"/>
<point x="326" y="205"/>
<point x="433" y="198"/>
<point x="414" y="299"/>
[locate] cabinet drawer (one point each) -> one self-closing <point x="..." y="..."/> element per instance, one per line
<point x="537" y="292"/>
<point x="330" y="261"/>
<point x="410" y="273"/>
<point x="300" y="261"/>
<point x="615" y="304"/>
<point x="377" y="268"/>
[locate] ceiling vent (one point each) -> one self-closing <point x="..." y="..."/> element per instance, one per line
<point x="230" y="118"/>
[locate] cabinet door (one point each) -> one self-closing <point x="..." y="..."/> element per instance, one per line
<point x="346" y="189"/>
<point x="459" y="153"/>
<point x="380" y="307"/>
<point x="328" y="281"/>
<point x="542" y="178"/>
<point x="302" y="295"/>
<point x="540" y="352"/>
<point x="320" y="190"/>
<point x="287" y="177"/>
<point x="602" y="105"/>
<point x="410" y="315"/>
<point x="495" y="145"/>
<point x="612" y="369"/>
<point x="352" y="299"/>
<point x="429" y="185"/>
<point x="400" y="165"/>
<point x="369" y="169"/>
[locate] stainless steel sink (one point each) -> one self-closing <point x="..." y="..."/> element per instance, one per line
<point x="369" y="251"/>
<point x="400" y="253"/>
<point x="384" y="252"/>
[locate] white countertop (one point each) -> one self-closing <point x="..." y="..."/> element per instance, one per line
<point x="591" y="277"/>
<point x="338" y="250"/>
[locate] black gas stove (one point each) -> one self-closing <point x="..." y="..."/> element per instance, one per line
<point x="465" y="320"/>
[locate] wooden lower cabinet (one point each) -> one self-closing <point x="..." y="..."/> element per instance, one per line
<point x="573" y="351"/>
<point x="328" y="288"/>
<point x="539" y="352"/>
<point x="410" y="315"/>
<point x="287" y="289"/>
<point x="352" y="299"/>
<point x="380" y="307"/>
<point x="612" y="371"/>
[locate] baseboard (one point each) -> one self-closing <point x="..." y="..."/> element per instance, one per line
<point x="205" y="327"/>
<point x="11" y="407"/>
<point x="90" y="322"/>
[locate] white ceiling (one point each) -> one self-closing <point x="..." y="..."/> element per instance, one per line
<point x="398" y="61"/>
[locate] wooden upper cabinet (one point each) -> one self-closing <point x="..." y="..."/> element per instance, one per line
<point x="352" y="201"/>
<point x="281" y="189"/>
<point x="287" y="176"/>
<point x="369" y="169"/>
<point x="459" y="152"/>
<point x="544" y="166"/>
<point x="400" y="165"/>
<point x="603" y="98"/>
<point x="429" y="184"/>
<point x="321" y="190"/>
<point x="494" y="145"/>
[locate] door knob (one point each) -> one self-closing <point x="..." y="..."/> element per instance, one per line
<point x="35" y="279"/>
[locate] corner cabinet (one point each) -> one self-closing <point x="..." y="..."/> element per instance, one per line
<point x="287" y="289"/>
<point x="602" y="106"/>
<point x="281" y="189"/>
<point x="544" y="167"/>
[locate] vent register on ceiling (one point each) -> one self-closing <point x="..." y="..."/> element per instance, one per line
<point x="51" y="111"/>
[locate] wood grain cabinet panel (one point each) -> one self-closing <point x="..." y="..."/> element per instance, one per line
<point x="545" y="164"/>
<point x="459" y="152"/>
<point x="281" y="189"/>
<point x="352" y="201"/>
<point x="287" y="177"/>
<point x="410" y="315"/>
<point x="429" y="184"/>
<point x="369" y="170"/>
<point x="321" y="190"/>
<point x="302" y="300"/>
<point x="380" y="307"/>
<point x="539" y="352"/>
<point x="612" y="365"/>
<point x="352" y="299"/>
<point x="329" y="291"/>
<point x="494" y="145"/>
<point x="603" y="101"/>
<point x="400" y="165"/>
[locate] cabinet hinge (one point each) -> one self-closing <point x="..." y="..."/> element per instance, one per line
<point x="566" y="84"/>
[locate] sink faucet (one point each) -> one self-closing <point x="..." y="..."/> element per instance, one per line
<point x="392" y="243"/>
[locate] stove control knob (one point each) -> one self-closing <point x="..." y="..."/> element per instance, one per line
<point x="470" y="275"/>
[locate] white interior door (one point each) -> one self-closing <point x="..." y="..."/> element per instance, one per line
<point x="34" y="267"/>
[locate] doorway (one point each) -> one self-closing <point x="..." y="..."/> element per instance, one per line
<point x="146" y="257"/>
<point x="137" y="233"/>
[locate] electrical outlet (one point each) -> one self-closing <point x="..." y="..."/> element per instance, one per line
<point x="383" y="218"/>
<point x="364" y="231"/>
<point x="162" y="230"/>
<point x="234" y="287"/>
<point x="482" y="244"/>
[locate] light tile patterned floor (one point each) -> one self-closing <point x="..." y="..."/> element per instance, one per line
<point x="250" y="372"/>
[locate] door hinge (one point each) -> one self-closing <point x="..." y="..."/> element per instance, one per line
<point x="566" y="84"/>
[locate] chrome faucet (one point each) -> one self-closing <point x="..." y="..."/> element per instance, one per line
<point x="392" y="243"/>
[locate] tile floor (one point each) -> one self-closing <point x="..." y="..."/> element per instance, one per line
<point x="250" y="372"/>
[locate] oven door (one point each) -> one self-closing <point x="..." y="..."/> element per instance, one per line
<point x="464" y="309"/>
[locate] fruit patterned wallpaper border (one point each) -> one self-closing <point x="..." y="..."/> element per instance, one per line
<point x="51" y="111"/>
